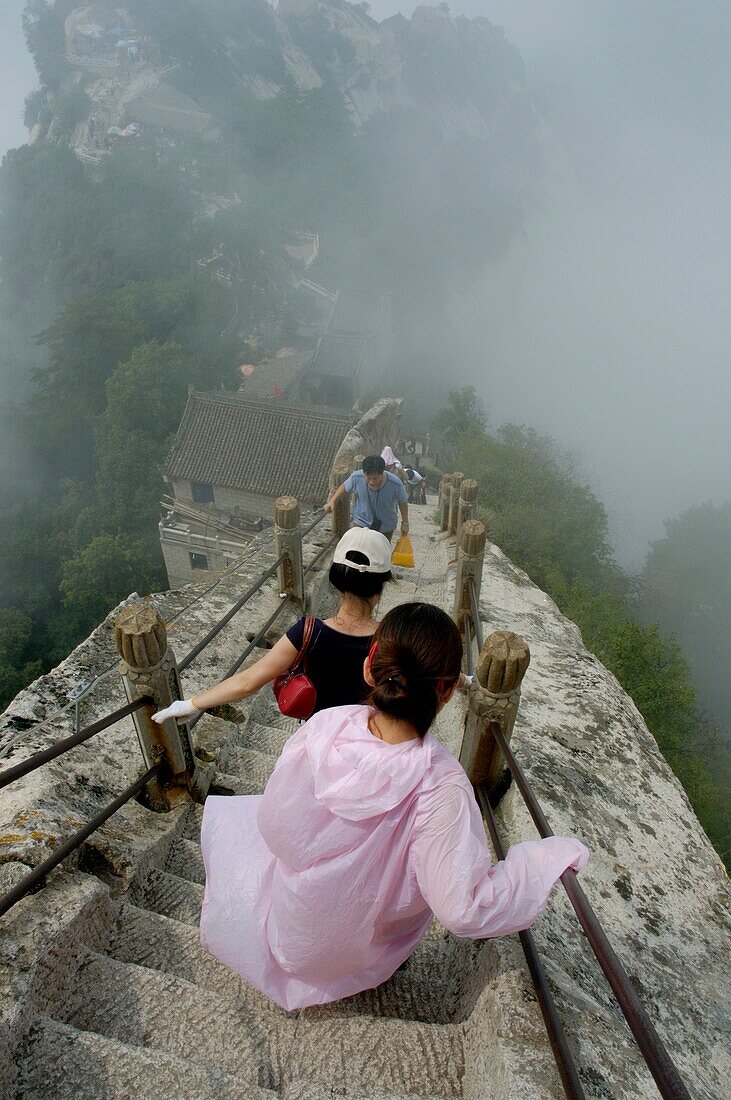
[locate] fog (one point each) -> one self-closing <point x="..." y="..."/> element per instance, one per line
<point x="17" y="76"/>
<point x="608" y="326"/>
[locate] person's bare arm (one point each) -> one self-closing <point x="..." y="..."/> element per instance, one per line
<point x="404" y="509"/>
<point x="332" y="501"/>
<point x="279" y="658"/>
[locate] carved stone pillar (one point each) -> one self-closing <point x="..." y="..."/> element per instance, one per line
<point x="467" y="505"/>
<point x="288" y="535"/>
<point x="341" y="511"/>
<point x="148" y="667"/>
<point x="457" y="480"/>
<point x="470" y="558"/>
<point x="502" y="665"/>
<point x="445" y="499"/>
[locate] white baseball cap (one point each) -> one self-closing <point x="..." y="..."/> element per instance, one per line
<point x="372" y="544"/>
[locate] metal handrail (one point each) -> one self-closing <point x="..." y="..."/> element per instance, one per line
<point x="38" y="759"/>
<point x="475" y="607"/>
<point x="191" y="656"/>
<point x="38" y="875"/>
<point x="308" y="568"/>
<point x="250" y="647"/>
<point x="320" y="514"/>
<point x="108" y="669"/>
<point x="469" y="655"/>
<point x="60" y="747"/>
<point x="556" y="1034"/>
<point x="658" y="1060"/>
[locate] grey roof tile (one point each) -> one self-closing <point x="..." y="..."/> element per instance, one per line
<point x="265" y="447"/>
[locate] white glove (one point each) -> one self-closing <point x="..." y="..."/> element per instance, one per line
<point x="181" y="708"/>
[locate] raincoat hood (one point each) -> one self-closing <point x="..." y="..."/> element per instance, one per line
<point x="356" y="775"/>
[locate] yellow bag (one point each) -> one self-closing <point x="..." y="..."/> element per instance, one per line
<point x="403" y="553"/>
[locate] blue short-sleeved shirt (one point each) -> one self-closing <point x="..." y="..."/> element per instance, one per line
<point x="370" y="504"/>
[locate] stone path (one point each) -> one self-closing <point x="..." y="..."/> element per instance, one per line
<point x="156" y="1015"/>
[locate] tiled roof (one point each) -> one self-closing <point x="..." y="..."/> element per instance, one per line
<point x="339" y="356"/>
<point x="263" y="447"/>
<point x="355" y="313"/>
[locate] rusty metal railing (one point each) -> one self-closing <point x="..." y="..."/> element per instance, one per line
<point x="659" y="1062"/>
<point x="43" y="757"/>
<point x="657" y="1059"/>
<point x="41" y="872"/>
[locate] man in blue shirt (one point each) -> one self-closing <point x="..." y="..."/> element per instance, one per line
<point x="379" y="496"/>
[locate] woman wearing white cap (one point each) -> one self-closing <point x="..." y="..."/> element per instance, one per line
<point x="338" y="646"/>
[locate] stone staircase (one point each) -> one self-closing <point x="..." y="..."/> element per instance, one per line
<point x="157" y="1016"/>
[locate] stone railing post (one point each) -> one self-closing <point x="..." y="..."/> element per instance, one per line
<point x="445" y="491"/>
<point x="500" y="670"/>
<point x="457" y="480"/>
<point x="148" y="667"/>
<point x="288" y="535"/>
<point x="466" y="506"/>
<point x="341" y="511"/>
<point x="470" y="556"/>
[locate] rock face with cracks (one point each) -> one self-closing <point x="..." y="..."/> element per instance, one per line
<point x="106" y="991"/>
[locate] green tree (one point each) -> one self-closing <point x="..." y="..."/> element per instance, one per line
<point x="43" y="24"/>
<point x="103" y="573"/>
<point x="462" y="415"/>
<point x="686" y="585"/>
<point x="145" y="400"/>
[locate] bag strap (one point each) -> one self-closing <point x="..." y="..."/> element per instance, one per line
<point x="306" y="639"/>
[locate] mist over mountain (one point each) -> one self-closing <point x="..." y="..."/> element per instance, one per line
<point x="553" y="233"/>
<point x="609" y="329"/>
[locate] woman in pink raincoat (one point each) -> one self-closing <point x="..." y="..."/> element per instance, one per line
<point x="326" y="883"/>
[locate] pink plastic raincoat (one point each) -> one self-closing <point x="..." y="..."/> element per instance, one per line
<point x="325" y="884"/>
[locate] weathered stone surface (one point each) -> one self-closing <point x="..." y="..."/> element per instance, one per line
<point x="460" y="1020"/>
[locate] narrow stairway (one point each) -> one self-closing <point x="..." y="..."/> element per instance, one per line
<point x="157" y="1016"/>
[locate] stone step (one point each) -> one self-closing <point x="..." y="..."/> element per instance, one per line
<point x="305" y="1090"/>
<point x="145" y="1008"/>
<point x="251" y="768"/>
<point x="267" y="739"/>
<point x="266" y="712"/>
<point x="192" y="826"/>
<point x="384" y="1056"/>
<point x="58" y="1062"/>
<point x="171" y="896"/>
<point x="339" y="1044"/>
<point x="186" y="861"/>
<point x="160" y="943"/>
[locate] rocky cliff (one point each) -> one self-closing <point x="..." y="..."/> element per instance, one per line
<point x="104" y="982"/>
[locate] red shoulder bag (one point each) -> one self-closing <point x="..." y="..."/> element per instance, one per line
<point x="294" y="691"/>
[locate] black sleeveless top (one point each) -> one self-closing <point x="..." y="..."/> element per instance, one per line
<point x="334" y="663"/>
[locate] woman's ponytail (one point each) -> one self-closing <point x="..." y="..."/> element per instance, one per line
<point x="416" y="659"/>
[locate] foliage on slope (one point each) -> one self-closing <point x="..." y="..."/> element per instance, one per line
<point x="549" y="522"/>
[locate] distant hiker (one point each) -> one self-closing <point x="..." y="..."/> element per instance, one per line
<point x="325" y="884"/>
<point x="416" y="485"/>
<point x="338" y="646"/>
<point x="379" y="496"/>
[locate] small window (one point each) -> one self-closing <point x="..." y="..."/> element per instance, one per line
<point x="202" y="492"/>
<point x="198" y="561"/>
